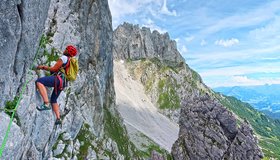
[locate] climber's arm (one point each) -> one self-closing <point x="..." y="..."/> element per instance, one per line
<point x="54" y="68"/>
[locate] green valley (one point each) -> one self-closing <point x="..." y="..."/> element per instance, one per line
<point x="266" y="129"/>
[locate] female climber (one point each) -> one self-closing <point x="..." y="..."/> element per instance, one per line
<point x="56" y="80"/>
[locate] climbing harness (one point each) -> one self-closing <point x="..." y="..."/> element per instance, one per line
<point x="42" y="41"/>
<point x="60" y="78"/>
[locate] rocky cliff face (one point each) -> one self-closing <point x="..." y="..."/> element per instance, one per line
<point x="20" y="31"/>
<point x="207" y="129"/>
<point x="133" y="42"/>
<point x="91" y="125"/>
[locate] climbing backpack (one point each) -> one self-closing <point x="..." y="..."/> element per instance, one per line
<point x="71" y="69"/>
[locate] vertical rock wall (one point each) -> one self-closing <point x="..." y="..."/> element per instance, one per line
<point x="84" y="104"/>
<point x="20" y="30"/>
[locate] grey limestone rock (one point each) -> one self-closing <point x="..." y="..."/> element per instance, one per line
<point x="87" y="25"/>
<point x="20" y="30"/>
<point x="59" y="149"/>
<point x="14" y="144"/>
<point x="132" y="42"/>
<point x="209" y="131"/>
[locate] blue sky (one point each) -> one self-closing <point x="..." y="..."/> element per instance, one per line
<point x="229" y="43"/>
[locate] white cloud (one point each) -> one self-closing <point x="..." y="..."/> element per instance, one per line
<point x="227" y="70"/>
<point x="227" y="43"/>
<point x="189" y="38"/>
<point x="240" y="70"/>
<point x="165" y="10"/>
<point x="177" y="40"/>
<point x="242" y="54"/>
<point x="255" y="17"/>
<point x="267" y="34"/>
<point x="148" y="21"/>
<point x="120" y="8"/>
<point x="184" y="49"/>
<point x="245" y="80"/>
<point x="203" y="43"/>
<point x="241" y="81"/>
<point x="151" y="24"/>
<point x="181" y="47"/>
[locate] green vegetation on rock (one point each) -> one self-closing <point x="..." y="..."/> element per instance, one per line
<point x="116" y="132"/>
<point x="64" y="152"/>
<point x="9" y="108"/>
<point x="146" y="146"/>
<point x="86" y="138"/>
<point x="153" y="69"/>
<point x="53" y="55"/>
<point x="168" y="98"/>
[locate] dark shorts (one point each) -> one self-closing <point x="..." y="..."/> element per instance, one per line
<point x="49" y="81"/>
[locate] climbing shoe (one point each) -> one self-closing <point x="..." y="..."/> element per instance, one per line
<point x="43" y="107"/>
<point x="57" y="121"/>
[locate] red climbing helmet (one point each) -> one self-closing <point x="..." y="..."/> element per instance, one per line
<point x="72" y="51"/>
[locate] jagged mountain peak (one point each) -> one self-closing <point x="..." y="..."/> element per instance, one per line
<point x="132" y="42"/>
<point x="207" y="129"/>
<point x="92" y="127"/>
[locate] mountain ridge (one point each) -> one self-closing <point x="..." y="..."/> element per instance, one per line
<point x="263" y="97"/>
<point x="174" y="87"/>
<point x="92" y="126"/>
<point x="132" y="42"/>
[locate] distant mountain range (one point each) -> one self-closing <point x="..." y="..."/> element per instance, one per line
<point x="265" y="98"/>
